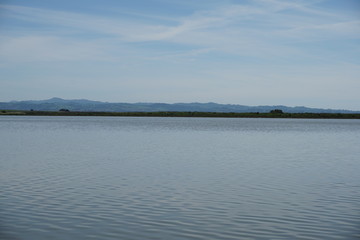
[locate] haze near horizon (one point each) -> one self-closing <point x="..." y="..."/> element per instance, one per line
<point x="248" y="52"/>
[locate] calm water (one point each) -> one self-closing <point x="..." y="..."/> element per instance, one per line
<point x="178" y="178"/>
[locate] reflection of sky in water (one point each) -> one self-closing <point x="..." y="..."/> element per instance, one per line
<point x="177" y="123"/>
<point x="179" y="178"/>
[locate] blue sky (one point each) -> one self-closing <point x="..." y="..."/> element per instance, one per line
<point x="250" y="52"/>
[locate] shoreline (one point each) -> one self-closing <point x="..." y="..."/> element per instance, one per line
<point x="184" y="114"/>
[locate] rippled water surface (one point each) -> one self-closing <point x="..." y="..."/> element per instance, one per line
<point x="178" y="178"/>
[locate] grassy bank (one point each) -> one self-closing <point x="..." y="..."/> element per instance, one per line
<point x="186" y="114"/>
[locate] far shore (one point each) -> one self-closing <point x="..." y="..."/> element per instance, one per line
<point x="185" y="114"/>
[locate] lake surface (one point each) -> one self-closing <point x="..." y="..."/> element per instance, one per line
<point x="178" y="178"/>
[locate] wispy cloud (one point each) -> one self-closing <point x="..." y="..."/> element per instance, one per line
<point x="32" y="48"/>
<point x="263" y="29"/>
<point x="70" y="20"/>
<point x="248" y="52"/>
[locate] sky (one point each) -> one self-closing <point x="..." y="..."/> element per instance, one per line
<point x="248" y="52"/>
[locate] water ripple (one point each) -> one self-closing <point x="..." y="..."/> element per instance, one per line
<point x="115" y="183"/>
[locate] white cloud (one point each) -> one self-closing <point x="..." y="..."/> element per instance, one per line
<point x="261" y="30"/>
<point x="51" y="48"/>
<point x="229" y="52"/>
<point x="263" y="18"/>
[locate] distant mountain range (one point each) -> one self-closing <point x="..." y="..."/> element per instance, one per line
<point x="55" y="104"/>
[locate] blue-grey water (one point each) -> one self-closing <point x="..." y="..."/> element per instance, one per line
<point x="178" y="178"/>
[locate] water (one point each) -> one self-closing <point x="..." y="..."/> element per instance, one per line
<point x="178" y="178"/>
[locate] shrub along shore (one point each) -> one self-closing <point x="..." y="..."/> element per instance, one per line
<point x="186" y="114"/>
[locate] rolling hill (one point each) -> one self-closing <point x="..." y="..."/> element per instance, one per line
<point x="55" y="104"/>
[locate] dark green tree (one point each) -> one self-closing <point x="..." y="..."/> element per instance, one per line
<point x="276" y="111"/>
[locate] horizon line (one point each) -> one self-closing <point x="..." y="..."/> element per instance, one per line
<point x="142" y="102"/>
